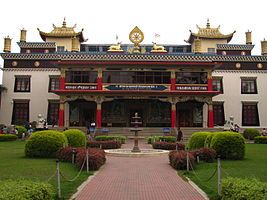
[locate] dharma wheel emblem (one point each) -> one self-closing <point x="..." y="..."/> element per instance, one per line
<point x="136" y="36"/>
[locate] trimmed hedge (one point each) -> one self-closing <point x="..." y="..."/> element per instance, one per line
<point x="168" y="145"/>
<point x="120" y="138"/>
<point x="96" y="158"/>
<point x="45" y="144"/>
<point x="178" y="160"/>
<point x="260" y="139"/>
<point x="26" y="189"/>
<point x="229" y="145"/>
<point x="243" y="189"/>
<point x="152" y="139"/>
<point x="7" y="137"/>
<point x="250" y="133"/>
<point x="76" y="138"/>
<point x="205" y="154"/>
<point x="208" y="139"/>
<point x="21" y="129"/>
<point x="110" y="144"/>
<point x="197" y="140"/>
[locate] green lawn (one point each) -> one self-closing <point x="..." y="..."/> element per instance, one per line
<point x="253" y="166"/>
<point x="14" y="165"/>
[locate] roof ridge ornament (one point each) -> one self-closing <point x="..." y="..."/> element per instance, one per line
<point x="208" y="23"/>
<point x="64" y="24"/>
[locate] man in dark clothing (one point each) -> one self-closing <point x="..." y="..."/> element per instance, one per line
<point x="179" y="135"/>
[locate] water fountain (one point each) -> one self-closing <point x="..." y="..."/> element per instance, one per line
<point x="136" y="129"/>
<point x="136" y="151"/>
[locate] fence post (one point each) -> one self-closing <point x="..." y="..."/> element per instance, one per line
<point x="197" y="158"/>
<point x="58" y="180"/>
<point x="219" y="175"/>
<point x="187" y="160"/>
<point x="73" y="156"/>
<point x="87" y="161"/>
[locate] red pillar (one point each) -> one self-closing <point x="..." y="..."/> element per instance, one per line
<point x="210" y="116"/>
<point x="61" y="115"/>
<point x="99" y="83"/>
<point x="209" y="81"/>
<point x="173" y="80"/>
<point x="98" y="116"/>
<point x="62" y="83"/>
<point x="173" y="115"/>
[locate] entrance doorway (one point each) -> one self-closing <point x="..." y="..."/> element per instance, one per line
<point x="189" y="114"/>
<point x="82" y="112"/>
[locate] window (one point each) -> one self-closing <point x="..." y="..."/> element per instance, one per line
<point x="81" y="77"/>
<point x="53" y="83"/>
<point x="52" y="114"/>
<point x="191" y="78"/>
<point x="20" y="113"/>
<point x="248" y="86"/>
<point x="136" y="77"/>
<point x="250" y="116"/>
<point x="60" y="48"/>
<point x="218" y="111"/>
<point x="22" y="84"/>
<point x="217" y="84"/>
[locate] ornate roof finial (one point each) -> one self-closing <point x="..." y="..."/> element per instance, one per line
<point x="64" y="23"/>
<point x="208" y="23"/>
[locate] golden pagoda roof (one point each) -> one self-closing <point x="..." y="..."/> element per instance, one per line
<point x="62" y="32"/>
<point x="209" y="33"/>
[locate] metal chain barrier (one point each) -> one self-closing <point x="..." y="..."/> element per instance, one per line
<point x="71" y="180"/>
<point x="213" y="174"/>
<point x="53" y="175"/>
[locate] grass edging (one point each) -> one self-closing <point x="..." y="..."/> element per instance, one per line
<point x="198" y="189"/>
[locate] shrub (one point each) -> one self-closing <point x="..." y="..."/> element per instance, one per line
<point x="21" y="129"/>
<point x="178" y="160"/>
<point x="26" y="189"/>
<point x="120" y="138"/>
<point x="65" y="154"/>
<point x="197" y="140"/>
<point x="8" y="137"/>
<point x="96" y="158"/>
<point x="239" y="189"/>
<point x="76" y="138"/>
<point x="250" y="133"/>
<point x="169" y="138"/>
<point x="168" y="145"/>
<point x="45" y="143"/>
<point x="229" y="145"/>
<point x="260" y="139"/>
<point x="205" y="154"/>
<point x="208" y="139"/>
<point x="111" y="144"/>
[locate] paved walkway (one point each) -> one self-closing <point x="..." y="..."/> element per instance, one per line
<point x="147" y="178"/>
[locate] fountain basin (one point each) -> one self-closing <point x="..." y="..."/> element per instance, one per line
<point x="129" y="153"/>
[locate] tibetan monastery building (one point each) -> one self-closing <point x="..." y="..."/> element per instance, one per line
<point x="73" y="83"/>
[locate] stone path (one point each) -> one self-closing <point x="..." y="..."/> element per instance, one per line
<point x="145" y="178"/>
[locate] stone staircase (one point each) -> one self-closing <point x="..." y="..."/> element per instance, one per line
<point x="147" y="131"/>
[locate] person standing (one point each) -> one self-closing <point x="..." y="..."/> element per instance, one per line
<point x="179" y="135"/>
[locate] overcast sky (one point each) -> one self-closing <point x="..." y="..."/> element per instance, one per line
<point x="102" y="20"/>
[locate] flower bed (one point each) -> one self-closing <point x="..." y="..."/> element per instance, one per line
<point x="178" y="160"/>
<point x="168" y="145"/>
<point x="111" y="144"/>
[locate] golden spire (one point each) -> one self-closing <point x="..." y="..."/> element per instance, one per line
<point x="208" y="23"/>
<point x="64" y="24"/>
